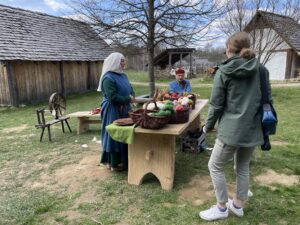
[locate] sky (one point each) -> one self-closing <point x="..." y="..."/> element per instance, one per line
<point x="52" y="7"/>
<point x="61" y="8"/>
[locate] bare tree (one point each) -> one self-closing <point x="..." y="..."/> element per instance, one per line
<point x="150" y="22"/>
<point x="240" y="12"/>
<point x="235" y="18"/>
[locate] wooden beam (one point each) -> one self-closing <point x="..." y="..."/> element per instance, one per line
<point x="12" y="85"/>
<point x="89" y="77"/>
<point x="170" y="60"/>
<point x="180" y="59"/>
<point x="62" y="79"/>
<point x="288" y="68"/>
<point x="280" y="50"/>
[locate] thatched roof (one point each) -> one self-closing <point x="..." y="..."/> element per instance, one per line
<point x="286" y="27"/>
<point x="27" y="35"/>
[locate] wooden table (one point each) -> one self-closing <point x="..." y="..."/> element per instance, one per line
<point x="84" y="121"/>
<point x="153" y="151"/>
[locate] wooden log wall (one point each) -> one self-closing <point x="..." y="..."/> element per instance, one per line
<point x="4" y="88"/>
<point x="96" y="68"/>
<point x="80" y="77"/>
<point x="36" y="81"/>
<point x="75" y="76"/>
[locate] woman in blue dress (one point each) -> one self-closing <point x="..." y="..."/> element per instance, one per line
<point x="117" y="96"/>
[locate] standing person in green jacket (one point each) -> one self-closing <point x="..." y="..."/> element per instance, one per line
<point x="117" y="96"/>
<point x="235" y="104"/>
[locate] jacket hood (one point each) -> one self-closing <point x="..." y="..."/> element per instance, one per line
<point x="240" y="68"/>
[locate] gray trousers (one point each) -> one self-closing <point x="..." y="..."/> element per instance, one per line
<point x="220" y="156"/>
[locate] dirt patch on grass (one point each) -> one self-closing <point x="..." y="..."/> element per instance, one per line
<point x="73" y="177"/>
<point x="270" y="178"/>
<point x="199" y="191"/>
<point x="279" y="142"/>
<point x="15" y="129"/>
<point x="122" y="223"/>
<point x="72" y="215"/>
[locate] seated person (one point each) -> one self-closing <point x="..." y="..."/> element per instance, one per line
<point x="180" y="85"/>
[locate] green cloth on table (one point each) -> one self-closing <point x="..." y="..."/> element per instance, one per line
<point x="122" y="134"/>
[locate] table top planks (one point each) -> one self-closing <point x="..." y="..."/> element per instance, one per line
<point x="83" y="114"/>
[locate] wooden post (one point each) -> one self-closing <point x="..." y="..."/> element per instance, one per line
<point x="89" y="77"/>
<point x="191" y="66"/>
<point x="288" y="68"/>
<point x="62" y="79"/>
<point x="180" y="59"/>
<point x="12" y="85"/>
<point x="170" y="60"/>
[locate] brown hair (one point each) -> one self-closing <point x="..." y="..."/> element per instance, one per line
<point x="240" y="43"/>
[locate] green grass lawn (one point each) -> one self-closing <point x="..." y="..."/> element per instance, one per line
<point x="43" y="183"/>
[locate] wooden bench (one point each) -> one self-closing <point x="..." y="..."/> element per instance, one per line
<point x="84" y="120"/>
<point x="43" y="124"/>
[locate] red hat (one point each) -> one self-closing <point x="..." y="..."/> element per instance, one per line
<point x="179" y="71"/>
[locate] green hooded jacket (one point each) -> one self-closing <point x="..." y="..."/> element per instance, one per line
<point x="236" y="103"/>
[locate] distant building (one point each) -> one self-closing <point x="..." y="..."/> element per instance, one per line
<point x="166" y="61"/>
<point x="41" y="54"/>
<point x="282" y="58"/>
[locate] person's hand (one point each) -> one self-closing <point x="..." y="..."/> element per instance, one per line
<point x="132" y="99"/>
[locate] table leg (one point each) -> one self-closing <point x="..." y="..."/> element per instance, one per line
<point x="152" y="153"/>
<point x="82" y="125"/>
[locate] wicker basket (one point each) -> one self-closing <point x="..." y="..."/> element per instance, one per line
<point x="137" y="114"/>
<point x="181" y="116"/>
<point x="193" y="98"/>
<point x="151" y="122"/>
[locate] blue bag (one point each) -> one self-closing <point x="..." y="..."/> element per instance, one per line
<point x="268" y="114"/>
<point x="269" y="119"/>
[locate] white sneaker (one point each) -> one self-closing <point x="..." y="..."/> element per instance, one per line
<point x="250" y="193"/>
<point x="213" y="213"/>
<point x="238" y="212"/>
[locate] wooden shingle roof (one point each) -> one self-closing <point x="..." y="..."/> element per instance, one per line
<point x="27" y="35"/>
<point x="286" y="27"/>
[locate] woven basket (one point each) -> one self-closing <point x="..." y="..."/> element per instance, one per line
<point x="151" y="122"/>
<point x="193" y="98"/>
<point x="181" y="116"/>
<point x="137" y="114"/>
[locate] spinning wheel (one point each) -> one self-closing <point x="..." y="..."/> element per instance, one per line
<point x="57" y="104"/>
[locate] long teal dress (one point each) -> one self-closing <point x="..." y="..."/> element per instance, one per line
<point x="115" y="105"/>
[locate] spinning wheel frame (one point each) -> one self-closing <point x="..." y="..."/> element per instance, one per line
<point x="57" y="103"/>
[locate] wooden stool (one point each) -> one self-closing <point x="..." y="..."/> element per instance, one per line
<point x="43" y="124"/>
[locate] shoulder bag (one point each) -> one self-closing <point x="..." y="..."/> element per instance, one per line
<point x="268" y="114"/>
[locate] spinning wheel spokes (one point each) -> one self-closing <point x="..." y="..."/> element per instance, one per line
<point x="57" y="103"/>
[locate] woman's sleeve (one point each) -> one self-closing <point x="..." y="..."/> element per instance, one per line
<point x="217" y="102"/>
<point x="110" y="90"/>
<point x="132" y="91"/>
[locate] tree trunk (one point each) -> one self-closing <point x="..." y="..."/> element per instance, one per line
<point x="151" y="71"/>
<point x="150" y="47"/>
